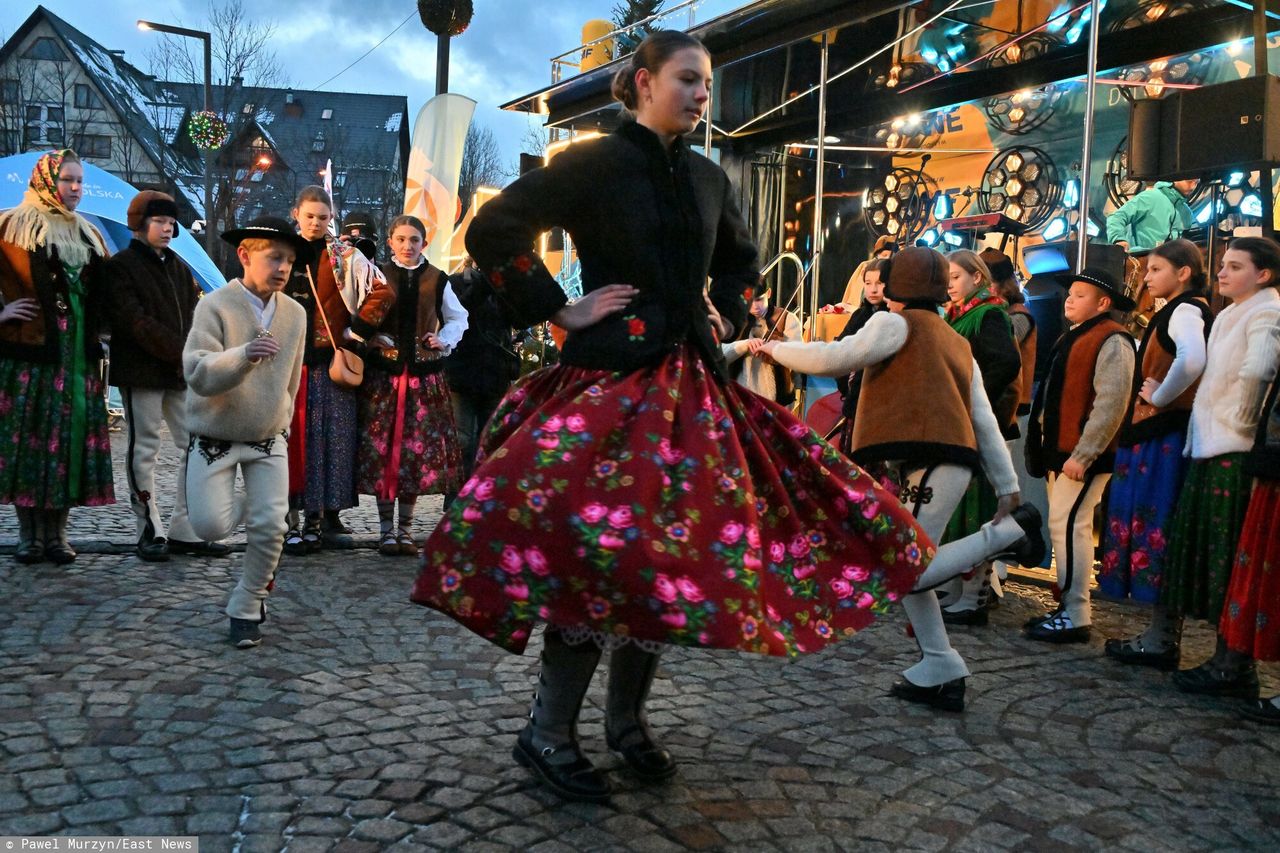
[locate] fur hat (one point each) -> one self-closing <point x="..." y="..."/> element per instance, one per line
<point x="917" y="274"/>
<point x="1103" y="280"/>
<point x="150" y="203"/>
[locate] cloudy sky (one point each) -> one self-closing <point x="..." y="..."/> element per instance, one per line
<point x="504" y="54"/>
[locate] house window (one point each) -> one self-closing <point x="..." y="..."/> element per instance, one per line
<point x="339" y="180"/>
<point x="256" y="177"/>
<point x="93" y="145"/>
<point x="45" y="48"/>
<point x="86" y="98"/>
<point x="44" y="124"/>
<point x="318" y="143"/>
<point x="9" y="91"/>
<point x="326" y="114"/>
<point x="248" y="109"/>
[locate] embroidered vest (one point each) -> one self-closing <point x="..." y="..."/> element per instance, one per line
<point x="1068" y="394"/>
<point x="1027" y="350"/>
<point x="915" y="406"/>
<point x="1155" y="356"/>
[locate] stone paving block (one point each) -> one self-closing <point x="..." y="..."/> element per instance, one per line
<point x="95" y="811"/>
<point x="382" y="830"/>
<point x="334" y="827"/>
<point x="212" y="823"/>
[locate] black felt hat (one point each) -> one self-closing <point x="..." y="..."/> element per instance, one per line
<point x="270" y="228"/>
<point x="1103" y="280"/>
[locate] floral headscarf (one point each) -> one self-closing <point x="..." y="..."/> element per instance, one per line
<point x="42" y="220"/>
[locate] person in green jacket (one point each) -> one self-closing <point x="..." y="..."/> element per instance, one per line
<point x="1153" y="216"/>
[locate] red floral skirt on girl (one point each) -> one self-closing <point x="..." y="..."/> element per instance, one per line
<point x="666" y="506"/>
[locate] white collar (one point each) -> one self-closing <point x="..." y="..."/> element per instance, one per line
<point x="422" y="259"/>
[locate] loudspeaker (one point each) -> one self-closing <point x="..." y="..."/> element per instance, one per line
<point x="1153" y="137"/>
<point x="1213" y="129"/>
<point x="1232" y="125"/>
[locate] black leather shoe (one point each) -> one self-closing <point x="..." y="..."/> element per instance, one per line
<point x="1030" y="549"/>
<point x="1043" y="617"/>
<point x="977" y="616"/>
<point x="1058" y="629"/>
<point x="29" y="553"/>
<point x="199" y="549"/>
<point x="153" y="551"/>
<point x="59" y="553"/>
<point x="646" y="759"/>
<point x="1209" y="680"/>
<point x="948" y="696"/>
<point x="576" y="779"/>
<point x="1262" y="711"/>
<point x="1132" y="651"/>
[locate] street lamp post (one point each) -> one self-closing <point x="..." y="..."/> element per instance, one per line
<point x="207" y="39"/>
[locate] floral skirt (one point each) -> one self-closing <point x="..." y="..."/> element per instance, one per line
<point x="1203" y="535"/>
<point x="1144" y="489"/>
<point x="1251" y="618"/>
<point x="408" y="442"/>
<point x="665" y="506"/>
<point x="36" y="436"/>
<point x="327" y="452"/>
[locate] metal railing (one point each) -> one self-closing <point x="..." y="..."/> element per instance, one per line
<point x="559" y="61"/>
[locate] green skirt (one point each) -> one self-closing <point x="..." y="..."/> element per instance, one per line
<point x="1203" y="536"/>
<point x="974" y="510"/>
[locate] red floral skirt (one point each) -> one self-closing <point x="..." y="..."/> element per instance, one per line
<point x="666" y="506"/>
<point x="1250" y="620"/>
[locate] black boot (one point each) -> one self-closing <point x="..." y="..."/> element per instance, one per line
<point x="1030" y="549"/>
<point x="1227" y="673"/>
<point x="631" y="672"/>
<point x="548" y="745"/>
<point x="1160" y="646"/>
<point x="30" y="544"/>
<point x="56" y="546"/>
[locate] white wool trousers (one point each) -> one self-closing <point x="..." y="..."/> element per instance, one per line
<point x="145" y="409"/>
<point x="1071" y="508"/>
<point x="216" y="509"/>
<point x="932" y="495"/>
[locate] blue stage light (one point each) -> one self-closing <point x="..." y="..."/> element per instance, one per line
<point x="1055" y="229"/>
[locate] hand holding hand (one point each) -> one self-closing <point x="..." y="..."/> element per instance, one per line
<point x="20" y="309"/>
<point x="594" y="307"/>
<point x="1006" y="505"/>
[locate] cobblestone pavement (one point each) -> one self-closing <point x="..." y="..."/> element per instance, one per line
<point x="366" y="723"/>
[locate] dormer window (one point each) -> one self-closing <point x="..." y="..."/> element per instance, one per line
<point x="326" y="114"/>
<point x="318" y="143"/>
<point x="248" y="109"/>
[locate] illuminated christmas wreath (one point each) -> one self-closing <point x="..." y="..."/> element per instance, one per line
<point x="445" y="17"/>
<point x="207" y="130"/>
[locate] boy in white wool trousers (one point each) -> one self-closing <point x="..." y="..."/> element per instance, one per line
<point x="242" y="363"/>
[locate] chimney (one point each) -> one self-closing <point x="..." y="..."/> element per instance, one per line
<point x="292" y="106"/>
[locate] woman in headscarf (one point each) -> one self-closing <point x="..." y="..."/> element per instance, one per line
<point x="55" y="451"/>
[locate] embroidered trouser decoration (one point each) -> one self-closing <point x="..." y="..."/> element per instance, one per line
<point x="216" y="510"/>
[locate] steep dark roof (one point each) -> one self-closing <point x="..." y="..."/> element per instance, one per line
<point x="144" y="106"/>
<point x="361" y="132"/>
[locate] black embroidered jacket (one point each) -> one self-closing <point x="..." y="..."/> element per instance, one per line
<point x="663" y="222"/>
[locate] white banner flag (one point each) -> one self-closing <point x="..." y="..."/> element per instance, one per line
<point x="435" y="160"/>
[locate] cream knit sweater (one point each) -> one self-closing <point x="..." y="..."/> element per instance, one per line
<point x="228" y="397"/>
